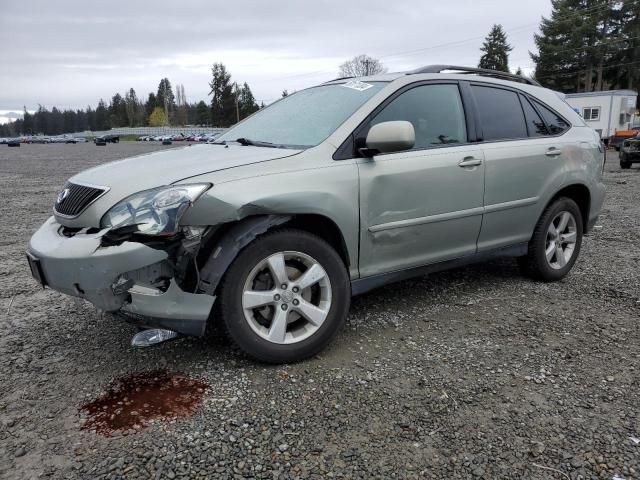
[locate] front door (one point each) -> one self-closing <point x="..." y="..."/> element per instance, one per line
<point x="423" y="205"/>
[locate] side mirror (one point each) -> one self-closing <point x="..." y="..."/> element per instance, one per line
<point x="389" y="137"/>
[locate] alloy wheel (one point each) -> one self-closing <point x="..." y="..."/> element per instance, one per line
<point x="561" y="240"/>
<point x="286" y="297"/>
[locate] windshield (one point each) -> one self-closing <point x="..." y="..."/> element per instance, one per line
<point x="305" y="118"/>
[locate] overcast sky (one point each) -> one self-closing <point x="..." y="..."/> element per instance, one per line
<point x="72" y="53"/>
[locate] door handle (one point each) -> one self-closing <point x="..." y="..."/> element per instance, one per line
<point x="553" y="152"/>
<point x="469" y="162"/>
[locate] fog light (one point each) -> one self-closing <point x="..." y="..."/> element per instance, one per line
<point x="152" y="336"/>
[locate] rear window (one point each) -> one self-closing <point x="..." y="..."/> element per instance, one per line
<point x="500" y="113"/>
<point x="556" y="124"/>
<point x="535" y="125"/>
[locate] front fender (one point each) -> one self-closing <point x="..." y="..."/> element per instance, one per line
<point x="330" y="191"/>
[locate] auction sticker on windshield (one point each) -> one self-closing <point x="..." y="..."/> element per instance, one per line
<point x="357" y="85"/>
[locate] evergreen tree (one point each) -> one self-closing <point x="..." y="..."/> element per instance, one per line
<point x="102" y="116"/>
<point x="150" y="105"/>
<point x="247" y="101"/>
<point x="132" y="108"/>
<point x="91" y="118"/>
<point x="496" y="50"/>
<point x="578" y="43"/>
<point x="165" y="98"/>
<point x="223" y="107"/>
<point x="27" y="122"/>
<point x="118" y="111"/>
<point x="624" y="47"/>
<point x="202" y="114"/>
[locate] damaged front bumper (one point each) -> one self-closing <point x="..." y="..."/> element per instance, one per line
<point x="116" y="278"/>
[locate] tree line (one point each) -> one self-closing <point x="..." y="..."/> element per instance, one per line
<point x="230" y="103"/>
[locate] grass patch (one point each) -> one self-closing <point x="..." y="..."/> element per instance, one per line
<point x="131" y="137"/>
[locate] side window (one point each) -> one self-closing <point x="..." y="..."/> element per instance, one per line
<point x="555" y="123"/>
<point x="535" y="125"/>
<point x="435" y="111"/>
<point x="591" y="113"/>
<point x="500" y="113"/>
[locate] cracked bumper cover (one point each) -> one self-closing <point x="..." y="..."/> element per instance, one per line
<point x="80" y="267"/>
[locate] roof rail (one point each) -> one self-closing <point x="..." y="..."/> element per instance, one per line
<point x="478" y="71"/>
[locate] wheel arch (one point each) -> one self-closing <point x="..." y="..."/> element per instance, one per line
<point x="226" y="242"/>
<point x="580" y="194"/>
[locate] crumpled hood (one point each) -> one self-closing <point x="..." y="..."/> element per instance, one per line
<point x="131" y="175"/>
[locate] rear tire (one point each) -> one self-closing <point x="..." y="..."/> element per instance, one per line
<point x="556" y="241"/>
<point x="275" y="312"/>
<point x="624" y="161"/>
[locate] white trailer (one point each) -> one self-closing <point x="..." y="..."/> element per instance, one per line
<point x="606" y="111"/>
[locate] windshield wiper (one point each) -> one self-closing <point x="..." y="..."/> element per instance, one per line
<point x="259" y="143"/>
<point x="255" y="143"/>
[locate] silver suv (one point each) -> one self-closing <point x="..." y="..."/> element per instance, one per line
<point x="327" y="193"/>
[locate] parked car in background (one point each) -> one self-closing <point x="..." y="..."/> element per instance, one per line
<point x="619" y="136"/>
<point x="39" y="139"/>
<point x="13" y="142"/>
<point x="630" y="151"/>
<point x="75" y="140"/>
<point x="107" y="139"/>
<point x="330" y="192"/>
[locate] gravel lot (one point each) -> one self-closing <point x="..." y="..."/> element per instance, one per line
<point x="473" y="373"/>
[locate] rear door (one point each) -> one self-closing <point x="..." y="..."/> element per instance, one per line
<point x="522" y="157"/>
<point x="422" y="205"/>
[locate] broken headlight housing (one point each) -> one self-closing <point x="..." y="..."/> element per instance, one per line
<point x="156" y="211"/>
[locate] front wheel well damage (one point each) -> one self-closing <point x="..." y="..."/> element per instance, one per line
<point x="227" y="240"/>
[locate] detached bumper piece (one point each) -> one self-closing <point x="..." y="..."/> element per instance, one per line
<point x="173" y="309"/>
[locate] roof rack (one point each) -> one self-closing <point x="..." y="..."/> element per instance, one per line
<point x="477" y="71"/>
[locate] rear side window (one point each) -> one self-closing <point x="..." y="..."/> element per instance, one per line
<point x="435" y="111"/>
<point x="500" y="113"/>
<point x="535" y="125"/>
<point x="556" y="124"/>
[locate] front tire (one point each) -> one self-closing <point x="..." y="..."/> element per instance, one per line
<point x="556" y="241"/>
<point x="624" y="161"/>
<point x="285" y="296"/>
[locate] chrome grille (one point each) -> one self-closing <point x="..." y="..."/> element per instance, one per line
<point x="75" y="198"/>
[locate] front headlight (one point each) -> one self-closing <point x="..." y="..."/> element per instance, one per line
<point x="156" y="211"/>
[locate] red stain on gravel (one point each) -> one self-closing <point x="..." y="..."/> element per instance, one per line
<point x="132" y="402"/>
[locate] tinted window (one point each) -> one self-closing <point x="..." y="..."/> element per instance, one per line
<point x="435" y="111"/>
<point x="500" y="113"/>
<point x="555" y="123"/>
<point x="535" y="125"/>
